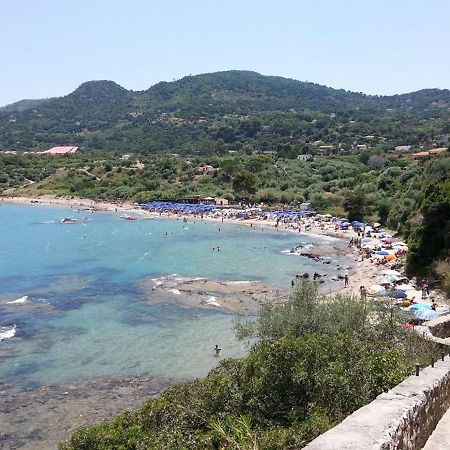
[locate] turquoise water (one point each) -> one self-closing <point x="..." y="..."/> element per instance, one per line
<point x="86" y="316"/>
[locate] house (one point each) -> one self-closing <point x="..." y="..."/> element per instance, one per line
<point x="206" y="169"/>
<point x="361" y="147"/>
<point x="125" y="157"/>
<point x="59" y="151"/>
<point x="325" y="149"/>
<point x="221" y="201"/>
<point x="305" y="206"/>
<point x="306" y="157"/>
<point x="402" y="148"/>
<point x="438" y="151"/>
<point x="429" y="153"/>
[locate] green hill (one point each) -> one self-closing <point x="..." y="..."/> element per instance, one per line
<point x="225" y="110"/>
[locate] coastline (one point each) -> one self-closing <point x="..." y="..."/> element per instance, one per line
<point x="362" y="274"/>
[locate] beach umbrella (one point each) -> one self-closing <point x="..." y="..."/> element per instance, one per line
<point x="426" y="314"/>
<point x="418" y="306"/>
<point x="388" y="240"/>
<point x="376" y="289"/>
<point x="382" y="252"/>
<point x="389" y="272"/>
<point x="410" y="294"/>
<point x="397" y="293"/>
<point x="376" y="225"/>
<point x="357" y="224"/>
<point x="406" y="287"/>
<point x="390" y="257"/>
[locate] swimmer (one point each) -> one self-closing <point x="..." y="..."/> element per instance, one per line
<point x="217" y="350"/>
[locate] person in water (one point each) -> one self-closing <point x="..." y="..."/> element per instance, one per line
<point x="217" y="350"/>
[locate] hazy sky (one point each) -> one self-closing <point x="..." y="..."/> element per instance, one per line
<point x="49" y="47"/>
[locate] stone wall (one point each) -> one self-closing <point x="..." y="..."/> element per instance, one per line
<point x="440" y="327"/>
<point x="401" y="419"/>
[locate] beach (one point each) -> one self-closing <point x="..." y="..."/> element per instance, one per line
<point x="362" y="273"/>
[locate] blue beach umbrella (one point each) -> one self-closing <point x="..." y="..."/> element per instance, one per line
<point x="397" y="293"/>
<point x="419" y="306"/>
<point x="426" y="314"/>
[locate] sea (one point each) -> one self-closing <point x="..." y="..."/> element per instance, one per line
<point x="71" y="301"/>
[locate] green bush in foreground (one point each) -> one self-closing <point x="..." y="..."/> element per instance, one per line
<point x="317" y="360"/>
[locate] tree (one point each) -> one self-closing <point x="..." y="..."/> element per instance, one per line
<point x="355" y="203"/>
<point x="244" y="183"/>
<point x="384" y="206"/>
<point x="431" y="238"/>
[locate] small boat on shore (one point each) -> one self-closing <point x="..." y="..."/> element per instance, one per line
<point x="69" y="220"/>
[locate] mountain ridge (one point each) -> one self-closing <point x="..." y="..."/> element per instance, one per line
<point x="230" y="106"/>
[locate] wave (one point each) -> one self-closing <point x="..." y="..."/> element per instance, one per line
<point x="19" y="300"/>
<point x="212" y="301"/>
<point x="7" y="332"/>
<point x="174" y="291"/>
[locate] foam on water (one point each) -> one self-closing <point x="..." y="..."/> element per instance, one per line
<point x="7" y="332"/>
<point x="19" y="300"/>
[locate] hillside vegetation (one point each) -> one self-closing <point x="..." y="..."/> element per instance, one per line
<point x="317" y="360"/>
<point x="213" y="113"/>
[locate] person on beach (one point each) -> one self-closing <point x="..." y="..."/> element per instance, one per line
<point x="217" y="350"/>
<point x="346" y="281"/>
<point x="363" y="292"/>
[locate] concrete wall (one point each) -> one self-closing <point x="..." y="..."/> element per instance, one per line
<point x="401" y="419"/>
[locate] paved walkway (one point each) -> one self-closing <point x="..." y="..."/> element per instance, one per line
<point x="440" y="438"/>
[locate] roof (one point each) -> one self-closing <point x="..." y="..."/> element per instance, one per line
<point x="60" y="150"/>
<point x="435" y="151"/>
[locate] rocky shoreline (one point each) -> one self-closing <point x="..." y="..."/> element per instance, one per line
<point x="40" y="418"/>
<point x="237" y="297"/>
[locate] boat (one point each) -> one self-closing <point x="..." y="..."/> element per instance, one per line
<point x="127" y="217"/>
<point x="69" y="220"/>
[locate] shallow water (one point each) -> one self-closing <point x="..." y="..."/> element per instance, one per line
<point x="85" y="316"/>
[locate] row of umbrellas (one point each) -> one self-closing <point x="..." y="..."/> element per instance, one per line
<point x="188" y="208"/>
<point x="421" y="311"/>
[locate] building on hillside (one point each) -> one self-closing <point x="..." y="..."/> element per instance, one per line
<point x="360" y="147"/>
<point x="59" y="151"/>
<point x="305" y="206"/>
<point x="206" y="169"/>
<point x="437" y="151"/>
<point x="306" y="157"/>
<point x="325" y="149"/>
<point x="125" y="157"/>
<point x="402" y="148"/>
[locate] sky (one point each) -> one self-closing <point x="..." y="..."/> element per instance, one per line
<point x="49" y="47"/>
